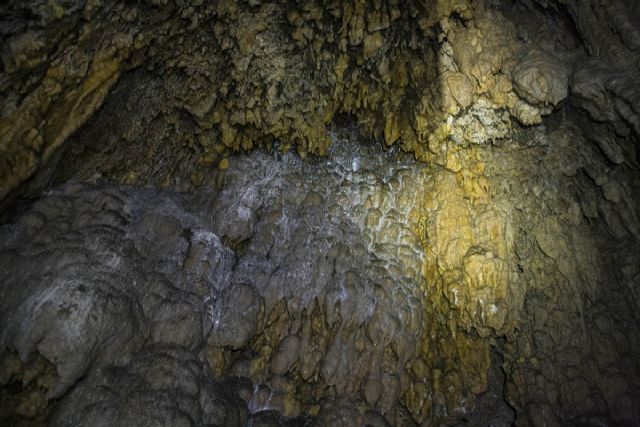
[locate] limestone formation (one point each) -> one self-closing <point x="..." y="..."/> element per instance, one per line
<point x="229" y="77"/>
<point x="314" y="212"/>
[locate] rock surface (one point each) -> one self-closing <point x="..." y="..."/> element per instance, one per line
<point x="393" y="290"/>
<point x="319" y="213"/>
<point x="429" y="75"/>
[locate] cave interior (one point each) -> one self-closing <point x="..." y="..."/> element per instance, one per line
<point x="319" y="212"/>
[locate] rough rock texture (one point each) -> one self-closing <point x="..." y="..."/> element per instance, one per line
<point x="430" y="74"/>
<point x="307" y="278"/>
<point x="381" y="293"/>
<point x="463" y="251"/>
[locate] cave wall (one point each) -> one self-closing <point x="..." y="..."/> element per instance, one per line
<point x="525" y="112"/>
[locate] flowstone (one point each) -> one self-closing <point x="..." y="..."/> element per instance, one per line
<point x="308" y="290"/>
<point x="362" y="287"/>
